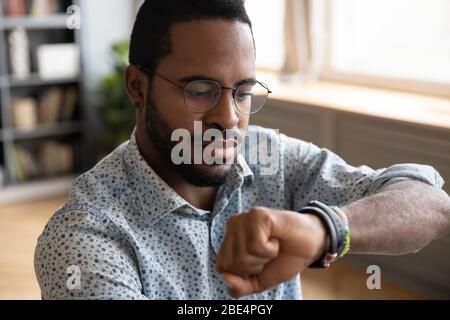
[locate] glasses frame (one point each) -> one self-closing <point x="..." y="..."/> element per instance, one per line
<point x="222" y="88"/>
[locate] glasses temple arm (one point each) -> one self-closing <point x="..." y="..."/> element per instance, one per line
<point x="147" y="70"/>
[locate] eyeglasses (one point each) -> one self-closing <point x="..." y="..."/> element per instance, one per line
<point x="201" y="96"/>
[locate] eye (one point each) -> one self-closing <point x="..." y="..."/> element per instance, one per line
<point x="243" y="95"/>
<point x="193" y="93"/>
<point x="200" y="90"/>
<point x="245" y="92"/>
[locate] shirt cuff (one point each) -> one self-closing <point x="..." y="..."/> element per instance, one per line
<point x="407" y="171"/>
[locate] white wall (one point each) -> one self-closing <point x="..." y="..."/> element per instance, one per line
<point x="103" y="23"/>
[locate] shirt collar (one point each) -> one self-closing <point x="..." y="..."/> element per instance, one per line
<point x="155" y="196"/>
<point x="244" y="169"/>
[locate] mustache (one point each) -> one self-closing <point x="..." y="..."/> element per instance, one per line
<point x="233" y="134"/>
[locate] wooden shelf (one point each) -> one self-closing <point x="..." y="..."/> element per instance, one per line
<point x="44" y="188"/>
<point x="34" y="80"/>
<point x="44" y="131"/>
<point x="57" y="21"/>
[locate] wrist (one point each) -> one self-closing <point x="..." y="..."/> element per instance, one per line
<point x="320" y="235"/>
<point x="336" y="226"/>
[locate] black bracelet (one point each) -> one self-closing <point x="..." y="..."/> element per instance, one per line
<point x="329" y="226"/>
<point x="338" y="224"/>
<point x="335" y="228"/>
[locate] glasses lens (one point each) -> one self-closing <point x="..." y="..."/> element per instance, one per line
<point x="202" y="95"/>
<point x="251" y="98"/>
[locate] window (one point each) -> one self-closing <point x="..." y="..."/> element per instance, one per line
<point x="267" y="17"/>
<point x="405" y="43"/>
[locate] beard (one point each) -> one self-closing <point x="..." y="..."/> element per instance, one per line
<point x="160" y="133"/>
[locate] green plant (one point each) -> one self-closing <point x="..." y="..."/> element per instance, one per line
<point x="116" y="110"/>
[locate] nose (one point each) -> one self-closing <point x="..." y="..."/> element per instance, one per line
<point x="224" y="115"/>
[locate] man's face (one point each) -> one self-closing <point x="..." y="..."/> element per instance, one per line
<point x="210" y="49"/>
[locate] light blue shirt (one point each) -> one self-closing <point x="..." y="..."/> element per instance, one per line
<point x="125" y="234"/>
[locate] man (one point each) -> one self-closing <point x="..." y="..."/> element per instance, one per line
<point x="142" y="225"/>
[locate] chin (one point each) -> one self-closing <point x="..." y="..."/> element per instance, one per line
<point x="217" y="168"/>
<point x="205" y="175"/>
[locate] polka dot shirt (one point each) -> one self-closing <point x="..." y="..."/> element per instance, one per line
<point x="125" y="234"/>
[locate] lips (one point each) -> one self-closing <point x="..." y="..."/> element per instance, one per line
<point x="223" y="153"/>
<point x="222" y="149"/>
<point x="224" y="143"/>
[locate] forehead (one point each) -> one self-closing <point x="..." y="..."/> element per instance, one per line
<point x="211" y="47"/>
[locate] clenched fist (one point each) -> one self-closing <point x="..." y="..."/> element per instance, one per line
<point x="264" y="247"/>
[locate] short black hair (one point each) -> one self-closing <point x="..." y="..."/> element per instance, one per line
<point x="150" y="39"/>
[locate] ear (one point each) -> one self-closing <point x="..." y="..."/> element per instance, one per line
<point x="136" y="84"/>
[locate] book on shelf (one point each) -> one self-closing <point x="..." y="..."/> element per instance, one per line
<point x="18" y="163"/>
<point x="25" y="115"/>
<point x="56" y="105"/>
<point x="50" y="159"/>
<point x="50" y="105"/>
<point x="43" y="7"/>
<point x="19" y="53"/>
<point x="26" y="164"/>
<point x="15" y="7"/>
<point x="2" y="179"/>
<point x="69" y="105"/>
<point x="31" y="7"/>
<point x="56" y="158"/>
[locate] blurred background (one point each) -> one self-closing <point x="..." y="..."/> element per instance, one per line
<point x="367" y="79"/>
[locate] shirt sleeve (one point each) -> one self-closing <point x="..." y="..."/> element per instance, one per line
<point x="319" y="174"/>
<point x="82" y="256"/>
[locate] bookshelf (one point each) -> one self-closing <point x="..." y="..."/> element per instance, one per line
<point x="55" y="21"/>
<point x="42" y="119"/>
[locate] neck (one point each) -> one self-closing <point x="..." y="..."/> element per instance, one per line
<point x="199" y="197"/>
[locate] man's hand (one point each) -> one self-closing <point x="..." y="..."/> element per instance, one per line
<point x="265" y="247"/>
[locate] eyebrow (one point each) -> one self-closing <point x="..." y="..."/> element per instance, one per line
<point x="200" y="77"/>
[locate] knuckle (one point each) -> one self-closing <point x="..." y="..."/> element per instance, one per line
<point x="241" y="259"/>
<point x="252" y="271"/>
<point x="257" y="284"/>
<point x="258" y="210"/>
<point x="256" y="248"/>
<point x="261" y="213"/>
<point x="256" y="269"/>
